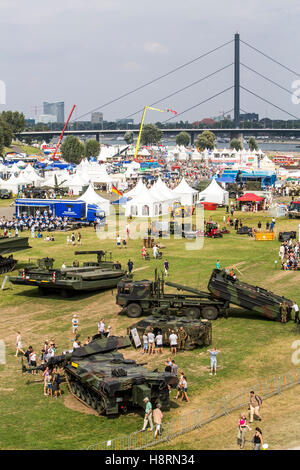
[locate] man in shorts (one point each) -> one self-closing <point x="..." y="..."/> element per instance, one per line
<point x="157" y="418"/>
<point x="159" y="342"/>
<point x="151" y="341"/>
<point x="173" y="342"/>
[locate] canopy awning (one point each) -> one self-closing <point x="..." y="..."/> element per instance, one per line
<point x="250" y="197"/>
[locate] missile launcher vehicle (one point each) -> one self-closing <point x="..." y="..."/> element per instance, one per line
<point x="11" y="245"/>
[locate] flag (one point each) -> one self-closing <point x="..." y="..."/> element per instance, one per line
<point x="172" y="111"/>
<point x="116" y="191"/>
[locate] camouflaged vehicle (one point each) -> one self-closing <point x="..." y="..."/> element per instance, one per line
<point x="198" y="332"/>
<point x="11" y="245"/>
<point x="138" y="298"/>
<point x="261" y="301"/>
<point x="99" y="375"/>
<point x="91" y="276"/>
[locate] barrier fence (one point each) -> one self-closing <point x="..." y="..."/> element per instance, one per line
<point x="197" y="418"/>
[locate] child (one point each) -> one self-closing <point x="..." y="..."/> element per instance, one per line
<point x="145" y="343"/>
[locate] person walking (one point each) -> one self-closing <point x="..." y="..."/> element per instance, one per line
<point x="257" y="439"/>
<point x="180" y="385"/>
<point x="101" y="327"/>
<point x="119" y="241"/>
<point x="19" y="344"/>
<point x="184" y="389"/>
<point x="148" y="414"/>
<point x="79" y="238"/>
<point x="242" y="428"/>
<point x="145" y="343"/>
<point x="157" y="418"/>
<point x="166" y="266"/>
<point x="130" y="266"/>
<point x="213" y="360"/>
<point x="46" y="375"/>
<point x="254" y="406"/>
<point x="155" y="251"/>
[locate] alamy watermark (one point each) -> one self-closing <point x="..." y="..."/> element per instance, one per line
<point x="296" y="353"/>
<point x="2" y="92"/>
<point x="189" y="227"/>
<point x="2" y="352"/>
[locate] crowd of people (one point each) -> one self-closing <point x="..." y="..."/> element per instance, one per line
<point x="41" y="222"/>
<point x="289" y="253"/>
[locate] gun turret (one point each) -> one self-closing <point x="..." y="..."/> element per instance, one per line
<point x="45" y="263"/>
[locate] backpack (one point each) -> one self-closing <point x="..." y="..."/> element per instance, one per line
<point x="257" y="397"/>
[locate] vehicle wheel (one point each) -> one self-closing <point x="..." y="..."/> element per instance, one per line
<point x="93" y="403"/>
<point x="210" y="313"/>
<point x="64" y="293"/>
<point x="88" y="399"/>
<point x="134" y="310"/>
<point x="193" y="312"/>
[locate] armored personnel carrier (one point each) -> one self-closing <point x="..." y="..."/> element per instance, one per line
<point x="199" y="332"/>
<point x="11" y="245"/>
<point x="91" y="276"/>
<point x="99" y="375"/>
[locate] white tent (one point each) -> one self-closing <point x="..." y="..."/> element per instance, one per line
<point x="75" y="183"/>
<point x="134" y="191"/>
<point x="187" y="195"/>
<point x="214" y="193"/>
<point x="161" y="187"/>
<point x="145" y="204"/>
<point x="11" y="184"/>
<point x="91" y="197"/>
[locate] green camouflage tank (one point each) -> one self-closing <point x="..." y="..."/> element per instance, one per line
<point x="99" y="375"/>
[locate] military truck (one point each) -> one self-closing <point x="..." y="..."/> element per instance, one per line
<point x="198" y="332"/>
<point x="140" y="297"/>
<point x="11" y="245"/>
<point x="100" y="376"/>
<point x="91" y="276"/>
<point x="5" y="194"/>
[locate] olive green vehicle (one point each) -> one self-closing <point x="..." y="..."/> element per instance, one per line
<point x="100" y="376"/>
<point x="11" y="245"/>
<point x="91" y="276"/>
<point x="142" y="297"/>
<point x="256" y="299"/>
<point x="194" y="333"/>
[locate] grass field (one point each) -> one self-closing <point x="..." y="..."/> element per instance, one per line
<point x="252" y="348"/>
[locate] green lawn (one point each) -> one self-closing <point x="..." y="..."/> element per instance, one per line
<point x="252" y="348"/>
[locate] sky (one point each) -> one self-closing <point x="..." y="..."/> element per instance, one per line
<point x="90" y="52"/>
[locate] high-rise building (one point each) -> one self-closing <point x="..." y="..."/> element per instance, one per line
<point x="97" y="118"/>
<point x="46" y="118"/>
<point x="55" y="109"/>
<point x="250" y="117"/>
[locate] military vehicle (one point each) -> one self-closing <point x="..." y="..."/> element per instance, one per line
<point x="91" y="276"/>
<point x="5" y="194"/>
<point x="100" y="376"/>
<point x="11" y="245"/>
<point x="294" y="210"/>
<point x="141" y="297"/>
<point x="228" y="288"/>
<point x="199" y="332"/>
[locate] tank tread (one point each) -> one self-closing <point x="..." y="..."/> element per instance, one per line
<point x="73" y="394"/>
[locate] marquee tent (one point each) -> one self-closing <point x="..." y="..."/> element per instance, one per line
<point x="91" y="197"/>
<point x="145" y="204"/>
<point x="214" y="193"/>
<point x="186" y="194"/>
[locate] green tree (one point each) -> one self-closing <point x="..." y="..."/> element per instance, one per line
<point x="1" y="141"/>
<point x="7" y="133"/>
<point x="72" y="149"/>
<point x="151" y="134"/>
<point x="128" y="137"/>
<point x="92" y="148"/>
<point x="236" y="144"/>
<point x="253" y="145"/>
<point x="183" y="138"/>
<point x="206" y="140"/>
<point x="15" y="119"/>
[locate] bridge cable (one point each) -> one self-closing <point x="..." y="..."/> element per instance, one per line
<point x="268" y="79"/>
<point x="269" y="102"/>
<point x="155" y="79"/>
<point x="271" y="58"/>
<point x="198" y="104"/>
<point x="176" y="92"/>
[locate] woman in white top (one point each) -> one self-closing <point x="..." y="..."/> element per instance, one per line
<point x="151" y="341"/>
<point x="19" y="344"/>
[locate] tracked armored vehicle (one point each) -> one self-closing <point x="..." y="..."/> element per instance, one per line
<point x="198" y="332"/>
<point x="11" y="245"/>
<point x="91" y="276"/>
<point x="99" y="375"/>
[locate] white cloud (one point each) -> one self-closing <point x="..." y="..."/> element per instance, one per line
<point x="155" y="48"/>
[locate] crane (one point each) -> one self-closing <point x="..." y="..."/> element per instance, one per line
<point x="62" y="134"/>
